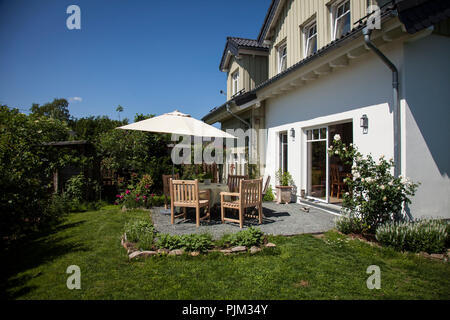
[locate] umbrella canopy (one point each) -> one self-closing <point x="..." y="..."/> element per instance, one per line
<point x="178" y="123"/>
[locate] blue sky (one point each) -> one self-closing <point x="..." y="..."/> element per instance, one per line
<point x="150" y="56"/>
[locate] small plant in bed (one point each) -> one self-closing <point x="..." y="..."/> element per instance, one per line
<point x="188" y="242"/>
<point x="248" y="238"/>
<point x="429" y="235"/>
<point x="141" y="232"/>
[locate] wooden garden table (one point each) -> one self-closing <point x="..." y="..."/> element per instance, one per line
<point x="215" y="189"/>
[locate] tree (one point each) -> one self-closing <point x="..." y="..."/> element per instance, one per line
<point x="58" y="109"/>
<point x="119" y="109"/>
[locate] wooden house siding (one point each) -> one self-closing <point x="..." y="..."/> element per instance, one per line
<point x="294" y="15"/>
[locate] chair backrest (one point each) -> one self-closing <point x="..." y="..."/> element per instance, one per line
<point x="250" y="191"/>
<point x="233" y="182"/>
<point x="166" y="183"/>
<point x="266" y="185"/>
<point x="212" y="169"/>
<point x="184" y="191"/>
<point x="334" y="173"/>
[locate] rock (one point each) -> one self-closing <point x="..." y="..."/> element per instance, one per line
<point x="226" y="251"/>
<point x="254" y="249"/>
<point x="134" y="254"/>
<point x="239" y="249"/>
<point x="163" y="251"/>
<point x="439" y="256"/>
<point x="194" y="253"/>
<point x="176" y="252"/>
<point x="149" y="253"/>
<point x="424" y="254"/>
<point x="270" y="245"/>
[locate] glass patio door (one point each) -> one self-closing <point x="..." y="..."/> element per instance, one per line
<point x="317" y="161"/>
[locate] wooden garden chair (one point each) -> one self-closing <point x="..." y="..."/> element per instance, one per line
<point x="337" y="182"/>
<point x="166" y="186"/>
<point x="266" y="185"/>
<point x="233" y="182"/>
<point x="249" y="196"/>
<point x="185" y="194"/>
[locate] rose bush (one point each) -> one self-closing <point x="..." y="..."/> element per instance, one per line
<point x="375" y="196"/>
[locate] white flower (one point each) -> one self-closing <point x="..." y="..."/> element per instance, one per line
<point x="351" y="144"/>
<point x="363" y="179"/>
<point x="384" y="199"/>
<point x="336" y="152"/>
<point x="337" y="137"/>
<point x="382" y="187"/>
<point x="356" y="175"/>
<point x="382" y="156"/>
<point x="390" y="183"/>
<point x="39" y="131"/>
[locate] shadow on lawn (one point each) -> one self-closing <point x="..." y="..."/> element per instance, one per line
<point x="29" y="253"/>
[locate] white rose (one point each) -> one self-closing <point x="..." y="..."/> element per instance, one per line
<point x="382" y="187"/>
<point x="337" y="137"/>
<point x="384" y="199"/>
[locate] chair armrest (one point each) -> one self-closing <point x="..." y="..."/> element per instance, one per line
<point x="232" y="194"/>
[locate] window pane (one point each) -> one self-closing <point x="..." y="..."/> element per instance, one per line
<point x="309" y="135"/>
<point x="316" y="134"/>
<point x="323" y="133"/>
<point x="342" y="25"/>
<point x="312" y="46"/>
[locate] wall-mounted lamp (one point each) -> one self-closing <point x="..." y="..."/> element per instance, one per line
<point x="364" y="123"/>
<point x="292" y="133"/>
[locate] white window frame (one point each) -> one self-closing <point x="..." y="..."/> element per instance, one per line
<point x="335" y="17"/>
<point x="307" y="38"/>
<point x="282" y="145"/>
<point x="280" y="49"/>
<point x="235" y="82"/>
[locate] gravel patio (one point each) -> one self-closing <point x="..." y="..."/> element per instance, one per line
<point x="280" y="219"/>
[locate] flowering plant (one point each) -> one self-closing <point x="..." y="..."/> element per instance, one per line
<point x="375" y="196"/>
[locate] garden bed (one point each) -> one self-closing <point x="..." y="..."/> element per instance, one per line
<point x="140" y="239"/>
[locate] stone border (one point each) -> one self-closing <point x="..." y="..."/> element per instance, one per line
<point x="134" y="252"/>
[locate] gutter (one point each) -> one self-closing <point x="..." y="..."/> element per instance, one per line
<point x="396" y="100"/>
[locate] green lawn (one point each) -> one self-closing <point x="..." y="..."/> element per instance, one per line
<point x="300" y="267"/>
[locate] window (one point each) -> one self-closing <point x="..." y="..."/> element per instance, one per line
<point x="310" y="39"/>
<point x="235" y="82"/>
<point x="341" y="24"/>
<point x="283" y="152"/>
<point x="282" y="58"/>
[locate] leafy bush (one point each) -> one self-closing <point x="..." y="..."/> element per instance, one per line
<point x="26" y="169"/>
<point x="420" y="235"/>
<point x="375" y="195"/>
<point x="189" y="242"/>
<point x="75" y="187"/>
<point x="167" y="241"/>
<point x="284" y="179"/>
<point x="269" y="196"/>
<point x="249" y="237"/>
<point x="139" y="230"/>
<point x="351" y="224"/>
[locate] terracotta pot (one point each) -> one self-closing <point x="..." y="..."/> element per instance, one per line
<point x="284" y="194"/>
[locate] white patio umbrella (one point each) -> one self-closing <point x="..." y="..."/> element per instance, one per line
<point x="178" y="123"/>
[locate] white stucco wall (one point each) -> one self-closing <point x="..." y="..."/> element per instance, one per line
<point x="365" y="87"/>
<point x="426" y="88"/>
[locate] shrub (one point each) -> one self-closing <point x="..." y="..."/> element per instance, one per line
<point x="375" y="196"/>
<point x="269" y="196"/>
<point x="189" y="242"/>
<point x="350" y="224"/>
<point x="139" y="230"/>
<point x="197" y="242"/>
<point x="284" y="178"/>
<point x="75" y="187"/>
<point x="420" y="235"/>
<point x="167" y="241"/>
<point x="249" y="237"/>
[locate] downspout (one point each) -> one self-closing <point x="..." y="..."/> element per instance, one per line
<point x="396" y="101"/>
<point x="237" y="117"/>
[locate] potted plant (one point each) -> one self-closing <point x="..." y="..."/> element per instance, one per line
<point x="284" y="189"/>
